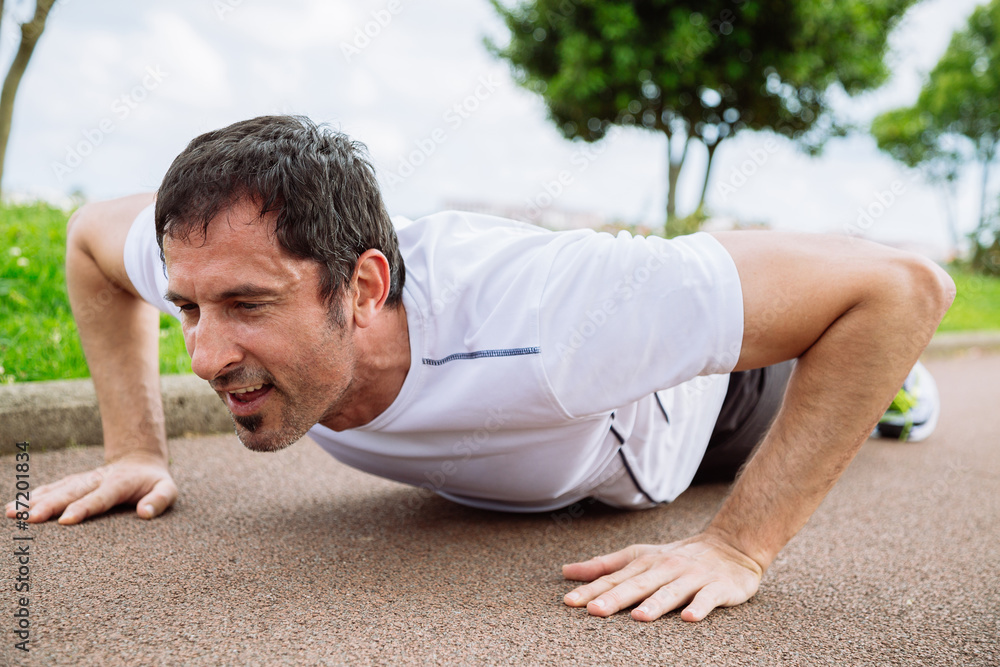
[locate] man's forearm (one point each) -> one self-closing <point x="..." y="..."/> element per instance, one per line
<point x="120" y="337"/>
<point x="841" y="386"/>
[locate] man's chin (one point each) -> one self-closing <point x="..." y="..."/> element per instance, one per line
<point x="257" y="438"/>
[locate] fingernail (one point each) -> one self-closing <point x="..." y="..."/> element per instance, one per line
<point x="643" y="609"/>
<point x="599" y="603"/>
<point x="573" y="597"/>
<point x="149" y="510"/>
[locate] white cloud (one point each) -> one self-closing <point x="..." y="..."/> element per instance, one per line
<point x="293" y="27"/>
<point x="286" y="57"/>
<point x="198" y="72"/>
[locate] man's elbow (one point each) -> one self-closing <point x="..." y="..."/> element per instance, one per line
<point x="77" y="224"/>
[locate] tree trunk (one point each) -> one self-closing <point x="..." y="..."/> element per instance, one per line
<point x="708" y="172"/>
<point x="982" y="192"/>
<point x="30" y="32"/>
<point x="673" y="173"/>
<point x="950" y="196"/>
<point x="983" y="255"/>
<point x="671" y="180"/>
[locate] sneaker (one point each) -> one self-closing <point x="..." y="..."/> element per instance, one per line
<point x="914" y="411"/>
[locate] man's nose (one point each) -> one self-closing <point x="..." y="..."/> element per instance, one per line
<point x="212" y="346"/>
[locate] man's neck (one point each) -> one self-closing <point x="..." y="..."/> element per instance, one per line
<point x="383" y="361"/>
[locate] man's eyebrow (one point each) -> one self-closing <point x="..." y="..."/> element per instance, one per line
<point x="173" y="297"/>
<point x="244" y="291"/>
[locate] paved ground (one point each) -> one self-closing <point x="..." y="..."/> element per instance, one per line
<point x="293" y="559"/>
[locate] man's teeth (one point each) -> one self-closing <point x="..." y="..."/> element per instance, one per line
<point x="246" y="389"/>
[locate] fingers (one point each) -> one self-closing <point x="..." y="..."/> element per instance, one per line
<point x="157" y="501"/>
<point x="98" y="501"/>
<point x="50" y="499"/>
<point x="670" y="597"/>
<point x="711" y="596"/>
<point x="601" y="565"/>
<point x="664" y="578"/>
<point x="613" y="592"/>
<point x="77" y="497"/>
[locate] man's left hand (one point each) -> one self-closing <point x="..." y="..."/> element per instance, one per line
<point x="703" y="570"/>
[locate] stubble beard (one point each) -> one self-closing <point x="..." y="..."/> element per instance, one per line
<point x="290" y="432"/>
<point x="297" y="414"/>
<point x="295" y="417"/>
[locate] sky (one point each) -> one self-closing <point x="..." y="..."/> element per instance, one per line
<point x="116" y="90"/>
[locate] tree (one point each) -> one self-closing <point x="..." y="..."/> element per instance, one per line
<point x="31" y="31"/>
<point x="956" y="119"/>
<point x="696" y="70"/>
<point x="901" y="133"/>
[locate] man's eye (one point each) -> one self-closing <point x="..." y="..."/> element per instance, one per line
<point x="249" y="306"/>
<point x="188" y="307"/>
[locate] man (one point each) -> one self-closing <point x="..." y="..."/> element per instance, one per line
<point x="498" y="364"/>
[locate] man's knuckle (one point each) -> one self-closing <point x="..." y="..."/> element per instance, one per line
<point x="614" y="596"/>
<point x="667" y="591"/>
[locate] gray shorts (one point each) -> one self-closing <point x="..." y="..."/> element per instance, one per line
<point x="751" y="404"/>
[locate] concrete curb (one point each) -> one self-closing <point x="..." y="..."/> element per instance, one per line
<point x="63" y="413"/>
<point x="962" y="341"/>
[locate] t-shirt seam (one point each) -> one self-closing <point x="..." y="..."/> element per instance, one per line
<point x="738" y="282"/>
<point x="549" y="387"/>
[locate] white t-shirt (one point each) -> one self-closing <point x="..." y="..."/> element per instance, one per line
<point x="535" y="358"/>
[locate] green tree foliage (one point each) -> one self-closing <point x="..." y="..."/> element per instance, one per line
<point x="955" y="120"/>
<point x="696" y="70"/>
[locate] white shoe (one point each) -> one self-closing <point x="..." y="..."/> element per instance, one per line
<point x="914" y="411"/>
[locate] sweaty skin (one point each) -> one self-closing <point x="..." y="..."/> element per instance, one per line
<point x="254" y="320"/>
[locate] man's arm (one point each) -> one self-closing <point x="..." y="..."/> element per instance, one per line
<point x="857" y="315"/>
<point x="119" y="333"/>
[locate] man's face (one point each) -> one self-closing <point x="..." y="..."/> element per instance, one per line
<point x="257" y="329"/>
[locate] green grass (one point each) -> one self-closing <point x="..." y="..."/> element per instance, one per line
<point x="39" y="341"/>
<point x="38" y="338"/>
<point x="977" y="303"/>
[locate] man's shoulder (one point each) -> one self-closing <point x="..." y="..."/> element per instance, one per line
<point x="466" y="224"/>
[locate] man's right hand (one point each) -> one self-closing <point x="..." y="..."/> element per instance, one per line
<point x="137" y="479"/>
<point x="120" y="337"/>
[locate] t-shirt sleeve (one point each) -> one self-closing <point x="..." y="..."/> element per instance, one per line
<point x="143" y="265"/>
<point x="621" y="317"/>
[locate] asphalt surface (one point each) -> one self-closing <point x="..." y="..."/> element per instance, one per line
<point x="294" y="559"/>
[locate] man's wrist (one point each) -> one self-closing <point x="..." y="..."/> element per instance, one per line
<point x="138" y="455"/>
<point x="757" y="558"/>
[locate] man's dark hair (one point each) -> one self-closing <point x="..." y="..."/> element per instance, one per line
<point x="321" y="184"/>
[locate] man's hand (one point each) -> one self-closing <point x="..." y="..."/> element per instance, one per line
<point x="120" y="337"/>
<point x="137" y="479"/>
<point x="702" y="570"/>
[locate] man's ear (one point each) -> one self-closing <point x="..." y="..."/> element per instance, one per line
<point x="370" y="286"/>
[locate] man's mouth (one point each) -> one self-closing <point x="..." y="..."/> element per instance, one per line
<point x="247" y="400"/>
